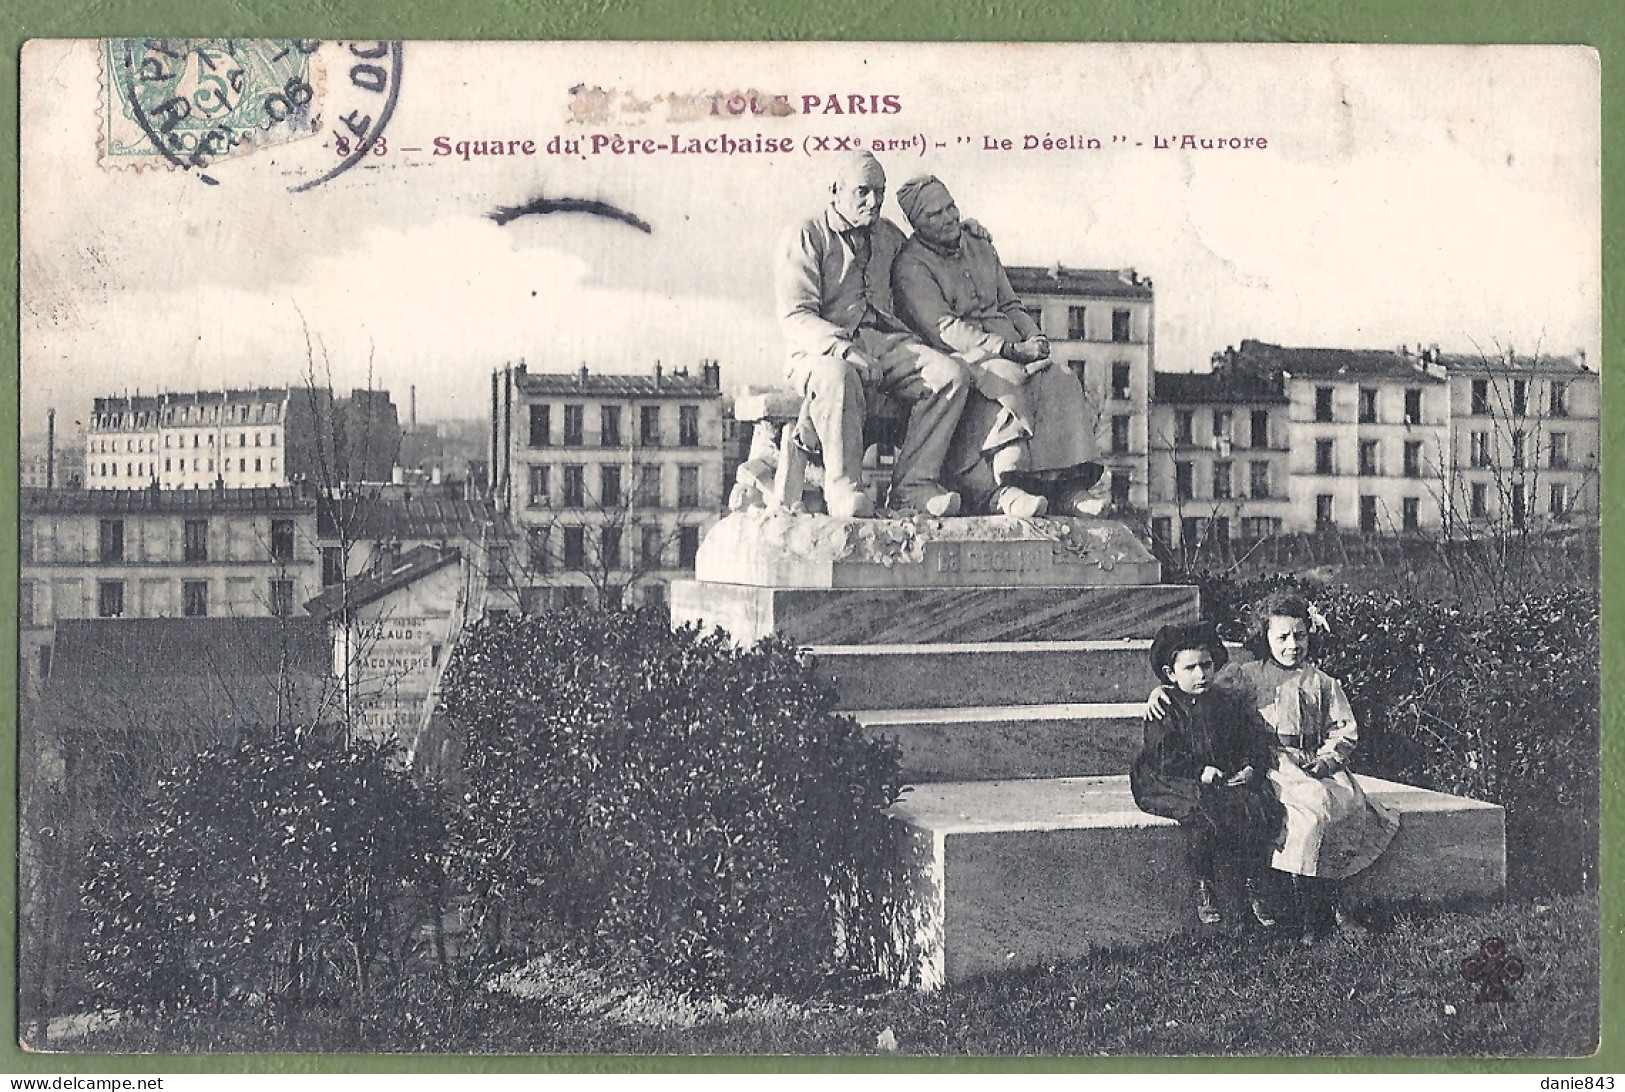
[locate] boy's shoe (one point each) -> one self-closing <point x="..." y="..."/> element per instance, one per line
<point x="1261" y="910"/>
<point x="1207" y="908"/>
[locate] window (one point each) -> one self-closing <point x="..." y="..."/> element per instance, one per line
<point x="110" y="542"/>
<point x="575" y="426"/>
<point x="1256" y="527"/>
<point x="1560" y="450"/>
<point x="609" y="486"/>
<point x="1221" y="480"/>
<point x="1037" y="315"/>
<point x="1368" y="458"/>
<point x="1183" y="490"/>
<point x="496" y="564"/>
<point x="649" y="548"/>
<point x="688" y="546"/>
<point x="1479" y="456"/>
<point x="256" y="464"/>
<point x="688" y="426"/>
<point x="1261" y="428"/>
<point x="541" y="425"/>
<point x="610" y="548"/>
<point x="1410" y="513"/>
<point x="25" y="603"/>
<point x="1120" y="325"/>
<point x="1221" y="424"/>
<point x="1162" y="529"/>
<point x="574" y="486"/>
<point x="195" y="598"/>
<point x="1323" y="512"/>
<point x="1120" y="381"/>
<point x="649" y="426"/>
<point x="1368" y="514"/>
<point x="25" y="540"/>
<point x="1077" y="328"/>
<point x="575" y="548"/>
<point x="1184" y="427"/>
<point x="1479" y="505"/>
<point x="612" y="598"/>
<point x="1520" y="397"/>
<point x="1559" y="506"/>
<point x="1368" y="405"/>
<point x="1325" y="457"/>
<point x="1559" y="405"/>
<point x="1481" y="398"/>
<point x="539" y="486"/>
<point x="1323" y="404"/>
<point x="166" y="464"/>
<point x="1221" y="528"/>
<point x="282" y="540"/>
<point x="1413" y="458"/>
<point x="1190" y="531"/>
<point x="1120" y="434"/>
<point x="649" y="487"/>
<point x="1517" y="450"/>
<point x="536" y="549"/>
<point x="1413" y="406"/>
<point x="1120" y="487"/>
<point x="45" y="661"/>
<point x="195" y="546"/>
<point x="1259" y="480"/>
<point x="332" y="565"/>
<point x="609" y="426"/>
<point x="1519" y="508"/>
<point x="688" y="487"/>
<point x="282" y="598"/>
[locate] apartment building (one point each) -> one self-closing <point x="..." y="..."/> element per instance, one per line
<point x="610" y="480"/>
<point x="1101" y="323"/>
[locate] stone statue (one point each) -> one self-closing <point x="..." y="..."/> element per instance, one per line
<point x="847" y="344"/>
<point x="1025" y="444"/>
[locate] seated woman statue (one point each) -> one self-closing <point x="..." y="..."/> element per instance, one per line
<point x="1025" y="444"/>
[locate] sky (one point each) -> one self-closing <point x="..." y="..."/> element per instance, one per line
<point x="1404" y="195"/>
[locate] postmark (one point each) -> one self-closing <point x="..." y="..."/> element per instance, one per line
<point x="206" y="105"/>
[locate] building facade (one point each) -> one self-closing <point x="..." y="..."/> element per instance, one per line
<point x="610" y="480"/>
<point x="1525" y="439"/>
<point x="153" y="553"/>
<point x="1219" y="461"/>
<point x="1101" y="323"/>
<point x="240" y="439"/>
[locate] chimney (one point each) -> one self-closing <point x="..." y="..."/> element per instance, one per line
<point x="1580" y="356"/>
<point x="583" y="374"/>
<point x="414" y="405"/>
<point x="659" y="373"/>
<point x="50" y="440"/>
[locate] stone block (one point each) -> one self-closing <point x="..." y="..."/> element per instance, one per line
<point x="1004" y="742"/>
<point x="1017" y="874"/>
<point x="929" y="615"/>
<point x="776" y="548"/>
<point x="922" y="676"/>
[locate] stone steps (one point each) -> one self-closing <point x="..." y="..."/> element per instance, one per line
<point x="1000" y="742"/>
<point x="1012" y="874"/>
<point x="989" y="673"/>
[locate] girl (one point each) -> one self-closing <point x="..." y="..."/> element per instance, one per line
<point x="1206" y="771"/>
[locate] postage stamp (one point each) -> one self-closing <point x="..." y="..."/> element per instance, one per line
<point x="1163" y="481"/>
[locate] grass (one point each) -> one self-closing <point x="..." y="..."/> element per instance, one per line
<point x="1396" y="990"/>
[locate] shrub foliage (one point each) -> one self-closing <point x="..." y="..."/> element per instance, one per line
<point x="666" y="802"/>
<point x="284" y="871"/>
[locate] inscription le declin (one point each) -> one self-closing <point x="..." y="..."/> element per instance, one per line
<point x="1005" y="557"/>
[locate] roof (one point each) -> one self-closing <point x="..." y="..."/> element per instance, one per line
<point x="410" y="568"/>
<point x="661" y="384"/>
<point x="1223" y="384"/>
<point x="419" y="517"/>
<point x="1319" y="363"/>
<point x="147" y="651"/>
<point x="200" y="502"/>
<point x="139" y="402"/>
<point x="1059" y="280"/>
<point x="1490" y="364"/>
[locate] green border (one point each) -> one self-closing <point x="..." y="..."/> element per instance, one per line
<point x="1389" y="21"/>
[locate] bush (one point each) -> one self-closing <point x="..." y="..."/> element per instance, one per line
<point x="666" y="803"/>
<point x="1501" y="705"/>
<point x="284" y="872"/>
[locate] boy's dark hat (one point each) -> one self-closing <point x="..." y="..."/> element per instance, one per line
<point x="1173" y="639"/>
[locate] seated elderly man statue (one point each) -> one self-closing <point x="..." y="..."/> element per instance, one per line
<point x="1025" y="444"/>
<point x="833" y="285"/>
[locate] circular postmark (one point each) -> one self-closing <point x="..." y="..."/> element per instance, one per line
<point x="198" y="104"/>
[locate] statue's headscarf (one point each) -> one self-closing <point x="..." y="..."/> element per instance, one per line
<point x="913" y="193"/>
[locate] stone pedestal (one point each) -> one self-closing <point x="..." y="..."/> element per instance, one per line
<point x="1008" y="658"/>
